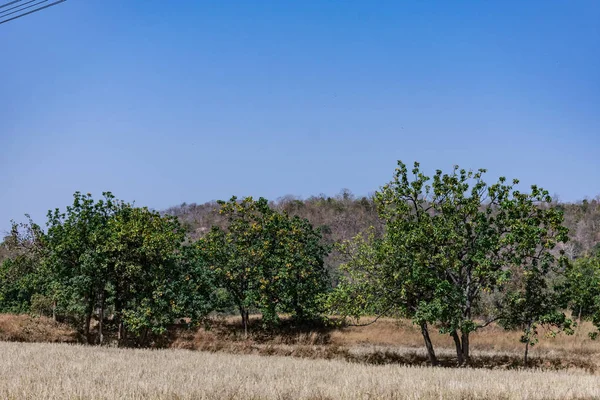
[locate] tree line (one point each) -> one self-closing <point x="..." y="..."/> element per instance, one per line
<point x="135" y="269"/>
<point x="450" y="252"/>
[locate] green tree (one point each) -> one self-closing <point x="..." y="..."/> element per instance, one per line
<point x="303" y="276"/>
<point x="266" y="260"/>
<point x="530" y="304"/>
<point x="447" y="241"/>
<point x="111" y="256"/>
<point x="79" y="269"/>
<point x="21" y="272"/>
<point x="194" y="286"/>
<point x="142" y="253"/>
<point x="581" y="287"/>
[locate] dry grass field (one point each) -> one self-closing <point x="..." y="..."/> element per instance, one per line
<point x="385" y="342"/>
<point x="398" y="342"/>
<point x="385" y="360"/>
<point x="62" y="371"/>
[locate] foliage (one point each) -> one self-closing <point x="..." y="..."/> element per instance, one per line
<point x="109" y="255"/>
<point x="78" y="266"/>
<point x="449" y="251"/>
<point x="532" y="305"/>
<point x="581" y="287"/>
<point x="21" y="274"/>
<point x="580" y="290"/>
<point x="267" y="260"/>
<point x="447" y="241"/>
<point x="194" y="287"/>
<point x="141" y="250"/>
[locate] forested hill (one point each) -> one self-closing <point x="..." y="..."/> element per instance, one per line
<point x="345" y="215"/>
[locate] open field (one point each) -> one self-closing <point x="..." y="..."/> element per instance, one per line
<point x="385" y="342"/>
<point x="59" y="371"/>
<point x="399" y="342"/>
<point x="387" y="360"/>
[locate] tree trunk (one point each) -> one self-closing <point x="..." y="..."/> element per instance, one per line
<point x="88" y="318"/>
<point x="54" y="311"/>
<point x="101" y="320"/>
<point x="144" y="337"/>
<point x="459" y="349"/>
<point x="118" y="317"/>
<point x="526" y="356"/>
<point x="430" y="352"/>
<point x="244" y="314"/>
<point x="121" y="334"/>
<point x="465" y="347"/>
<point x="470" y="296"/>
<point x="86" y="329"/>
<point x="579" y="317"/>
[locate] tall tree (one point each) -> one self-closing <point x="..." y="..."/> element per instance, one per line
<point x="142" y="251"/>
<point x="266" y="260"/>
<point x="449" y="239"/>
<point x="79" y="268"/>
<point x="110" y="255"/>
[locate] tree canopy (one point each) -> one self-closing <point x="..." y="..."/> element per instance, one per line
<point x="267" y="260"/>
<point x="448" y="241"/>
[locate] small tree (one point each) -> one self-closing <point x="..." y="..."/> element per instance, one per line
<point x="581" y="287"/>
<point x="381" y="279"/>
<point x="303" y="276"/>
<point x="21" y="273"/>
<point x="529" y="304"/>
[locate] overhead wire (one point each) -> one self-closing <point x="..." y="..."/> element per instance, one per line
<point x="24" y="8"/>
<point x="28" y="7"/>
<point x="17" y="6"/>
<point x="9" y="3"/>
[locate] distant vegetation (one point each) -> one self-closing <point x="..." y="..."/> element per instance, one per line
<point x="450" y="252"/>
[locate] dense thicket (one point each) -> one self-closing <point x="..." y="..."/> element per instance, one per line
<point x="450" y="252"/>
<point x="132" y="271"/>
<point x="266" y="261"/>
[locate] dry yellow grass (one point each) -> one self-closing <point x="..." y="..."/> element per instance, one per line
<point x="391" y="341"/>
<point x="60" y="371"/>
<point x="385" y="342"/>
<point x="491" y="338"/>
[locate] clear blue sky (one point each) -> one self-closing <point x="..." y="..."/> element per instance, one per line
<point x="165" y="102"/>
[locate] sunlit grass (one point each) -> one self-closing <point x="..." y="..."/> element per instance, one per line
<point x="61" y="371"/>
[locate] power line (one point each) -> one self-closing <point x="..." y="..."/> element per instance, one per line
<point x="17" y="6"/>
<point x="30" y="12"/>
<point x="24" y="8"/>
<point x="8" y="4"/>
